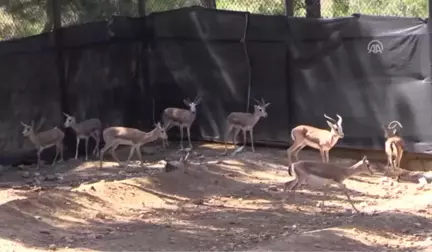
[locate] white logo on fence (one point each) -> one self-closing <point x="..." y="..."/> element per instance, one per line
<point x="375" y="47"/>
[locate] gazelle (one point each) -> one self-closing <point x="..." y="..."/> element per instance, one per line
<point x="84" y="130"/>
<point x="245" y="122"/>
<point x="319" y="173"/>
<point x="44" y="140"/>
<point x="394" y="145"/>
<point x="321" y="139"/>
<point x="181" y="118"/>
<point x="115" y="136"/>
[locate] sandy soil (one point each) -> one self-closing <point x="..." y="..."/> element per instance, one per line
<point x="223" y="203"/>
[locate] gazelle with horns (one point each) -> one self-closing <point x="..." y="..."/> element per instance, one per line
<point x="241" y="121"/>
<point x="84" y="130"/>
<point x="321" y="139"/>
<point x="44" y="140"/>
<point x="116" y="136"/>
<point x="394" y="145"/>
<point x="181" y="118"/>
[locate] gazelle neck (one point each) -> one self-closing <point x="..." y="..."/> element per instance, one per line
<point x="150" y="136"/>
<point x="354" y="168"/>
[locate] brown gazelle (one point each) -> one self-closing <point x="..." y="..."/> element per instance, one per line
<point x="241" y="121"/>
<point x="394" y="145"/>
<point x="321" y="139"/>
<point x="84" y="130"/>
<point x="44" y="140"/>
<point x="115" y="136"/>
<point x="181" y="118"/>
<point x="318" y="173"/>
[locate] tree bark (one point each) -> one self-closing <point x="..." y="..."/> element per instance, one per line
<point x="313" y="8"/>
<point x="211" y="4"/>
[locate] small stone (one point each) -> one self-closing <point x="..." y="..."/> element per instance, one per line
<point x="40" y="178"/>
<point x="198" y="201"/>
<point x="91" y="236"/>
<point x="68" y="239"/>
<point x="50" y="177"/>
<point x="100" y="215"/>
<point x="52" y="247"/>
<point x="45" y="232"/>
<point x="25" y="174"/>
<point x="273" y="188"/>
<point x="36" y="174"/>
<point x="417" y="224"/>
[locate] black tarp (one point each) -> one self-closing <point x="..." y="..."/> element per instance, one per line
<point x="127" y="70"/>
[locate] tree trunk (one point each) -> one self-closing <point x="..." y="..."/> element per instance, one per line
<point x="340" y="8"/>
<point x="49" y="24"/>
<point x="211" y="4"/>
<point x="313" y="8"/>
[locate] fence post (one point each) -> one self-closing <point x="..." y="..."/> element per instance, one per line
<point x="141" y="8"/>
<point x="56" y="10"/>
<point x="289" y="8"/>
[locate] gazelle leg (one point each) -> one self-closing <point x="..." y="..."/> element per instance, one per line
<point x="229" y="127"/>
<point x="399" y="159"/>
<point x="76" y="148"/>
<point x="252" y="140"/>
<point x="322" y="154"/>
<point x="234" y="140"/>
<point x="327" y="156"/>
<point x="244" y="137"/>
<point x="86" y="147"/>
<point x="344" y="190"/>
<point x="297" y="150"/>
<point x="325" y="195"/>
<point x="103" y="150"/>
<point x="138" y="151"/>
<point x="39" y="157"/>
<point x="113" y="152"/>
<point x="56" y="155"/>
<point x="132" y="149"/>
<point x="181" y="137"/>
<point x="189" y="139"/>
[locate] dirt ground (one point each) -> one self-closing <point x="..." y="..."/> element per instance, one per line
<point x="223" y="203"/>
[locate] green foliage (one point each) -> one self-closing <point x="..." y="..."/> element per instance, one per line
<point x="19" y="18"/>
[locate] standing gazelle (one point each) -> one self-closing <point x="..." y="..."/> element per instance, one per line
<point x="44" y="140"/>
<point x="394" y="145"/>
<point x="321" y="139"/>
<point x="115" y="136"/>
<point x="84" y="130"/>
<point x="182" y="118"/>
<point x="245" y="122"/>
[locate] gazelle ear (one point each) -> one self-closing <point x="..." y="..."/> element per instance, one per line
<point x="186" y="102"/>
<point x="23" y="124"/>
<point x="364" y="158"/>
<point x="267" y="104"/>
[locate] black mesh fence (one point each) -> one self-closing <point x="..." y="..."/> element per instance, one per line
<point x="22" y="18"/>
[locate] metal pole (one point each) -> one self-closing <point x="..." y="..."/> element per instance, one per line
<point x="429" y="26"/>
<point x="142" y="8"/>
<point x="289" y="8"/>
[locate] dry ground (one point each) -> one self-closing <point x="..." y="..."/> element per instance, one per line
<point x="233" y="204"/>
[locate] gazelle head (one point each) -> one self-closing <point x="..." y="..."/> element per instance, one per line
<point x="161" y="131"/>
<point x="335" y="126"/>
<point x="260" y="108"/>
<point x="192" y="104"/>
<point x="392" y="126"/>
<point x="70" y="120"/>
<point x="364" y="166"/>
<point x="28" y="129"/>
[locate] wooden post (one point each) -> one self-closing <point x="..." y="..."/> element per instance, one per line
<point x="289" y="8"/>
<point x="142" y="8"/>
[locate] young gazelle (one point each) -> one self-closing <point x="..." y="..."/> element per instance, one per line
<point x="321" y="139"/>
<point x="115" y="136"/>
<point x="245" y="122"/>
<point x="84" y="130"/>
<point x="181" y="118"/>
<point x="319" y="173"/>
<point x="44" y="140"/>
<point x="394" y="146"/>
